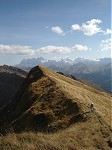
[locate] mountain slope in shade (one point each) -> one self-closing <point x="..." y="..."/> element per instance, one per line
<point x="50" y="102"/>
<point x="13" y="70"/>
<point x="10" y="81"/>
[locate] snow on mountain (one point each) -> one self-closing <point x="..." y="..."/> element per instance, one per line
<point x="62" y="62"/>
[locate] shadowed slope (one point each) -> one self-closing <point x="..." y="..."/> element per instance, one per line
<point x="40" y="104"/>
<point x="10" y="81"/>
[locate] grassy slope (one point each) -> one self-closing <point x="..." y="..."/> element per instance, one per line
<point x="91" y="134"/>
<point x="84" y="94"/>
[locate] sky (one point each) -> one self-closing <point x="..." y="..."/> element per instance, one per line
<point x="54" y="29"/>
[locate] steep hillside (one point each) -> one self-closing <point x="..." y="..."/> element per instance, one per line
<point x="50" y="102"/>
<point x="10" y="81"/>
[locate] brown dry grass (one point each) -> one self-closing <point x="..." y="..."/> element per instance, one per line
<point x="84" y="94"/>
<point x="53" y="95"/>
<point x="81" y="136"/>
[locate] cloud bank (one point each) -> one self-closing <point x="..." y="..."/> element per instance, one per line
<point x="27" y="50"/>
<point x="16" y="49"/>
<point x="56" y="49"/>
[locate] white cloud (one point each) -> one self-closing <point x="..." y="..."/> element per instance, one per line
<point x="108" y="31"/>
<point x="75" y="27"/>
<point x="105" y="45"/>
<point x="16" y="50"/>
<point x="54" y="49"/>
<point x="80" y="48"/>
<point x="57" y="30"/>
<point x="94" y="21"/>
<point x="89" y="28"/>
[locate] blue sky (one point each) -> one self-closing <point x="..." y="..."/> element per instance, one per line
<point x="54" y="29"/>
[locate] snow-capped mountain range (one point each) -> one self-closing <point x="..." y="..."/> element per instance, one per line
<point x="62" y="62"/>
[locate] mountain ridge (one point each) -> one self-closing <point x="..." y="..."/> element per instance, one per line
<point x="50" y="102"/>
